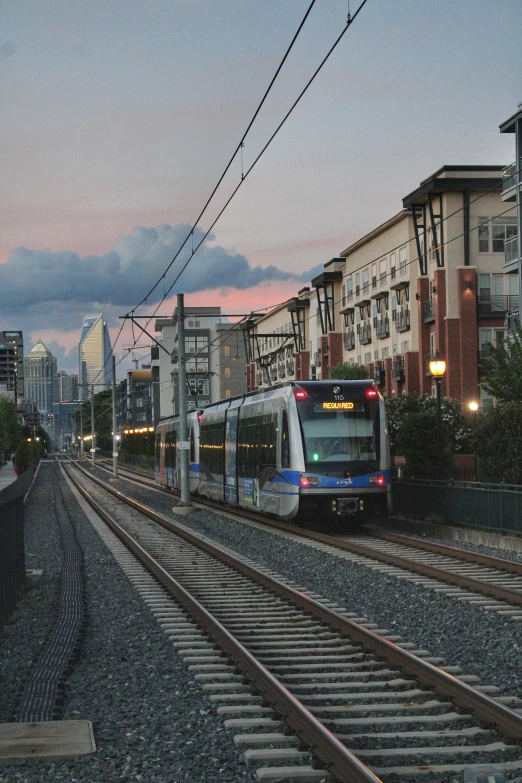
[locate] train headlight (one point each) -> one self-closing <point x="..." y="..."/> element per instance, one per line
<point x="379" y="480"/>
<point x="309" y="481"/>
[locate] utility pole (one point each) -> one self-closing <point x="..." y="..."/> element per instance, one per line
<point x="114" y="438"/>
<point x="81" y="431"/>
<point x="93" y="447"/>
<point x="183" y="443"/>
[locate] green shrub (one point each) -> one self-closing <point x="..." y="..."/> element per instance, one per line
<point x="22" y="458"/>
<point x="417" y="442"/>
<point x="348" y="371"/>
<point x="458" y="428"/>
<point x="499" y="444"/>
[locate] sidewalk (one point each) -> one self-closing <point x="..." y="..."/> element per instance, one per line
<point x="7" y="475"/>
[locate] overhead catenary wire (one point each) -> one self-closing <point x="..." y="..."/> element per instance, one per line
<point x="220" y="180"/>
<point x="256" y="160"/>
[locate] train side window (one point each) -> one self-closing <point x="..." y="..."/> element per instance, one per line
<point x="285" y="442"/>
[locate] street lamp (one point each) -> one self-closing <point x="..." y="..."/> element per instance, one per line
<point x="437" y="369"/>
<point x="473" y="406"/>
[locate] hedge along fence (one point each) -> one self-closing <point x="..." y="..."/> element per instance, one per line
<point x="492" y="507"/>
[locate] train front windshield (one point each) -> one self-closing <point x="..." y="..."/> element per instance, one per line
<point x="340" y="438"/>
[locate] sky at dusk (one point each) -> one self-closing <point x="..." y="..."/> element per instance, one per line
<point x="118" y="119"/>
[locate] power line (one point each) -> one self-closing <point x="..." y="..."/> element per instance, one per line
<point x="227" y="167"/>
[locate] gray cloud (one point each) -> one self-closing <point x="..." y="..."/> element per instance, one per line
<point x="47" y="289"/>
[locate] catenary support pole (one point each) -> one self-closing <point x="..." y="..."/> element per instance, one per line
<point x="183" y="444"/>
<point x="114" y="438"/>
<point x="81" y="431"/>
<point x="93" y="437"/>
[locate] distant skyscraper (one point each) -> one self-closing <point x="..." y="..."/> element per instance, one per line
<point x="40" y="377"/>
<point x="12" y="364"/>
<point x="94" y="366"/>
<point x="67" y="387"/>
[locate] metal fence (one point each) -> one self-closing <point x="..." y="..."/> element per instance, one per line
<point x="492" y="507"/>
<point x="12" y="555"/>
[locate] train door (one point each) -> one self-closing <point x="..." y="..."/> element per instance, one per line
<point x="231" y="426"/>
<point x="160" y="455"/>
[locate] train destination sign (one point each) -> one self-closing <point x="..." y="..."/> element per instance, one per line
<point x="338" y="406"/>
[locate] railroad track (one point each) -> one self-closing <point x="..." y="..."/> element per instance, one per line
<point x="365" y="705"/>
<point x="490" y="583"/>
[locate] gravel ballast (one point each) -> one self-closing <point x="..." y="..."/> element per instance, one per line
<point x="152" y="722"/>
<point x="482" y="643"/>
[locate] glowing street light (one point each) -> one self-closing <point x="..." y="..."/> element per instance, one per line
<point x="473" y="406"/>
<point x="437" y="369"/>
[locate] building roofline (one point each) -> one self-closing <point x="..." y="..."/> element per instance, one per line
<point x="508" y="126"/>
<point x="404" y="213"/>
<point x="437" y="183"/>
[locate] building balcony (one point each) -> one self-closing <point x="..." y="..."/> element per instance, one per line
<point x="496" y="305"/>
<point x="273" y="372"/>
<point x="365" y="334"/>
<point x="511" y="253"/>
<point x="349" y="340"/>
<point x="510" y="177"/>
<point x="428" y="311"/>
<point x="402" y="320"/>
<point x="290" y="366"/>
<point x="397" y="370"/>
<point x="317" y="359"/>
<point x="382" y="328"/>
<point x="281" y="370"/>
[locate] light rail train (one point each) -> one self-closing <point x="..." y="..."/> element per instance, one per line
<point x="300" y="449"/>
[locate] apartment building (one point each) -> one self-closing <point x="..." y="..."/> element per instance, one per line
<point x="512" y="191"/>
<point x="215" y="361"/>
<point x="428" y="281"/>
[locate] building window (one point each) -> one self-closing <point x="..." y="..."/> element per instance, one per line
<point x="227" y="372"/>
<point x="190" y="344"/>
<point x="201" y="343"/>
<point x="395" y="349"/>
<point x="384" y="353"/>
<point x="227" y="350"/>
<point x="402" y="261"/>
<point x="359" y="360"/>
<point x="392" y="266"/>
<point x="227" y="393"/>
<point x="382" y="271"/>
<point x="357" y="284"/>
<point x="349" y="289"/>
<point x="366" y="281"/>
<point x="367" y="357"/>
<point x="405" y="346"/>
<point x="140" y="403"/>
<point x="141" y="416"/>
<point x="484" y="288"/>
<point x="376" y="356"/>
<point x="483" y="234"/>
<point x="503" y="228"/>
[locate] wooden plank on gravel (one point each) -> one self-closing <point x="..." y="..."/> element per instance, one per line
<point x="47" y="740"/>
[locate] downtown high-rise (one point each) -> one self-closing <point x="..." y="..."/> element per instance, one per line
<point x="94" y="367"/>
<point x="40" y="377"/>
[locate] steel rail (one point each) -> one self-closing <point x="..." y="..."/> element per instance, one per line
<point x="452" y="551"/>
<point x="340" y="761"/>
<point x="468" y="582"/>
<point x="466" y="697"/>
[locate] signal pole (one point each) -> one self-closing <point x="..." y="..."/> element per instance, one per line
<point x="81" y="431"/>
<point x="93" y="447"/>
<point x="114" y="438"/>
<point x="183" y="444"/>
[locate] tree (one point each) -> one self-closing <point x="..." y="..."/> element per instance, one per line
<point x="499" y="444"/>
<point x="503" y="370"/>
<point x="348" y="371"/>
<point x="10" y="427"/>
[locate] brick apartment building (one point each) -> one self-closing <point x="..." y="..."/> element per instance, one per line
<point x="428" y="280"/>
